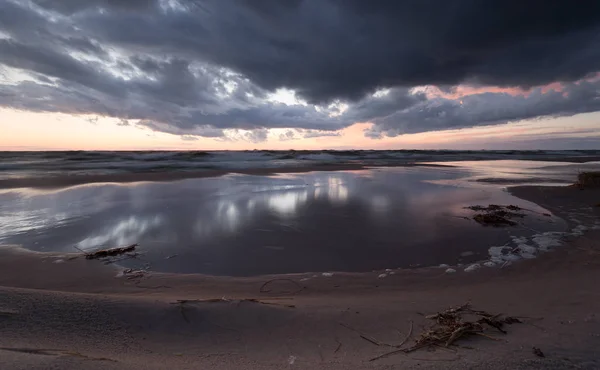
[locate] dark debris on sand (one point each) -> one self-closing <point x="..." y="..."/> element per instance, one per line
<point x="111" y="252"/>
<point x="454" y="324"/>
<point x="497" y="215"/>
<point x="590" y="179"/>
<point x="538" y="352"/>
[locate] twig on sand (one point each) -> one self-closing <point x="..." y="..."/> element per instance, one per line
<point x="375" y="341"/>
<point x="153" y="287"/>
<point x="218" y="300"/>
<point x="435" y="359"/>
<point x="339" y="346"/>
<point x="488" y="337"/>
<point x="365" y="336"/>
<point x="263" y="290"/>
<point x="55" y="352"/>
<point x="182" y="310"/>
<point x="387" y="354"/>
<point x="253" y="300"/>
<point x="410" y="330"/>
<point x="209" y="300"/>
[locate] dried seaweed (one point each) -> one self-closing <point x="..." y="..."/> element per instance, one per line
<point x="493" y="219"/>
<point x="452" y="325"/>
<point x="111" y="252"/>
<point x="496" y="215"/>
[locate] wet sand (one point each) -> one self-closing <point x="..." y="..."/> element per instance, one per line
<point x="77" y="315"/>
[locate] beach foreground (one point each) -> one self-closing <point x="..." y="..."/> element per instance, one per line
<point x="77" y="314"/>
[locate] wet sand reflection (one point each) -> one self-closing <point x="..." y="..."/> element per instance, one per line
<point x="249" y="225"/>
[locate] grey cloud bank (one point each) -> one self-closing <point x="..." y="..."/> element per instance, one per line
<point x="202" y="67"/>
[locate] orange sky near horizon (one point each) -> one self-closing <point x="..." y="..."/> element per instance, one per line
<point x="20" y="130"/>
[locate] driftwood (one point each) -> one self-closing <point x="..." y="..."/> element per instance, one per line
<point x="103" y="253"/>
<point x="450" y="326"/>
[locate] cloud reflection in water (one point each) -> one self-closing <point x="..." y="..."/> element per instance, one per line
<point x="245" y="225"/>
<point x="124" y="232"/>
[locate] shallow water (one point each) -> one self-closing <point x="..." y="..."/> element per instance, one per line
<point x="241" y="225"/>
<point x="522" y="172"/>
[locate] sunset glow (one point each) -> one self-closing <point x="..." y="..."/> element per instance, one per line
<point x="53" y="131"/>
<point x="78" y="76"/>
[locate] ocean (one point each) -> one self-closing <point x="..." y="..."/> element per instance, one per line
<point x="69" y="163"/>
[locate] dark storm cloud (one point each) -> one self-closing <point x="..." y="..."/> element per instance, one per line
<point x="72" y="6"/>
<point x="83" y="45"/>
<point x="345" y="49"/>
<point x="373" y="107"/>
<point x="46" y="61"/>
<point x="489" y="109"/>
<point x="203" y="66"/>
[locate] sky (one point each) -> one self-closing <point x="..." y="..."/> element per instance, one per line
<point x="299" y="74"/>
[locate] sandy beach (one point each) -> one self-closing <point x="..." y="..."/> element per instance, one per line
<point x="62" y="311"/>
<point x="280" y="185"/>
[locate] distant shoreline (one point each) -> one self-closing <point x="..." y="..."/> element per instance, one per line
<point x="60" y="181"/>
<point x="65" y="181"/>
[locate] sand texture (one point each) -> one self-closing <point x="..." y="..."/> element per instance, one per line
<point x="76" y="314"/>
